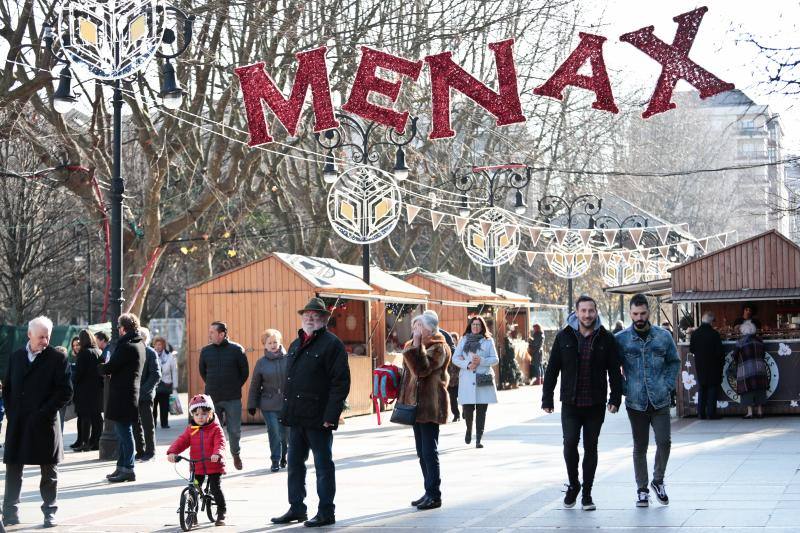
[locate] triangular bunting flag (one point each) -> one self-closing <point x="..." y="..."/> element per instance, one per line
<point x="549" y="256"/>
<point x="645" y="253"/>
<point x="663" y="250"/>
<point x="531" y="256"/>
<point x="535" y="233"/>
<point x="486" y="226"/>
<point x="610" y="236"/>
<point x="587" y="256"/>
<point x="724" y="239"/>
<point x="411" y="212"/>
<point x="436" y="219"/>
<point x="585" y="234"/>
<point x="683" y="247"/>
<point x="511" y="230"/>
<point x="461" y="223"/>
<point x="684" y="227"/>
<point x="569" y="258"/>
<point x="703" y="244"/>
<point x="605" y="256"/>
<point x="626" y="255"/>
<point x="663" y="233"/>
<point x="560" y="235"/>
<point x="636" y="235"/>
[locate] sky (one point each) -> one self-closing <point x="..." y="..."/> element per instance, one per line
<point x="718" y="46"/>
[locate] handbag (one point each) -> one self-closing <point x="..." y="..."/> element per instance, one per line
<point x="175" y="407"/>
<point x="404" y="413"/>
<point x="484" y="380"/>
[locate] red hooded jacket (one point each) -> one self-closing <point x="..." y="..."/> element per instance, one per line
<point x="203" y="442"/>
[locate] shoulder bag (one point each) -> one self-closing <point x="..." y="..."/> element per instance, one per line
<point x="404" y="413"/>
<point x="484" y="380"/>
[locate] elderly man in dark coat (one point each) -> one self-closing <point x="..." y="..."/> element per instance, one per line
<point x="709" y="360"/>
<point x="317" y="384"/>
<point x="125" y="368"/>
<point x="36" y="386"/>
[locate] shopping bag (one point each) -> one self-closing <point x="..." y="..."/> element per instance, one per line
<point x="175" y="405"/>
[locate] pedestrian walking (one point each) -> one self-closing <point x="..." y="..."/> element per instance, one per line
<point x="224" y="369"/>
<point x="266" y="393"/>
<point x="37" y="385"/>
<point x="752" y="373"/>
<point x="650" y="365"/>
<point x="535" y="344"/>
<point x="317" y="385"/>
<point x="125" y="367"/>
<point x="206" y="442"/>
<point x="88" y="392"/>
<point x="584" y="355"/>
<point x="168" y="384"/>
<point x="425" y="360"/>
<point x="144" y="429"/>
<point x="475" y="355"/>
<point x="452" y="384"/>
<point x="709" y="360"/>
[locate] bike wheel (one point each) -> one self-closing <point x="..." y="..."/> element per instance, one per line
<point x="188" y="509"/>
<point x="211" y="508"/>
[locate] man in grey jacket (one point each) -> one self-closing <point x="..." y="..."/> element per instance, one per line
<point x="224" y="369"/>
<point x="144" y="430"/>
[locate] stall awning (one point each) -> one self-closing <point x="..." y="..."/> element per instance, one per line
<point x="656" y="287"/>
<point x="736" y="296"/>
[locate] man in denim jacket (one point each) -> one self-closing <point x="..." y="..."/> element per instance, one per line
<point x="650" y="367"/>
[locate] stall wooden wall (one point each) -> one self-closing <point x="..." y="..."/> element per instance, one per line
<point x="766" y="261"/>
<point x="377" y="332"/>
<point x="451" y="318"/>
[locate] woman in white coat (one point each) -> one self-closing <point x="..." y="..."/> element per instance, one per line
<point x="475" y="355"/>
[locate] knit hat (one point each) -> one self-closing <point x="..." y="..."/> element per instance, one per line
<point x="201" y="400"/>
<point x="430" y="319"/>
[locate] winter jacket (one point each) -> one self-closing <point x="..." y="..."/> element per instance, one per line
<point x="151" y="375"/>
<point x="752" y="373"/>
<point x="468" y="391"/>
<point x="317" y="382"/>
<point x="565" y="359"/>
<point x="125" y="367"/>
<point x="650" y="367"/>
<point x="224" y="369"/>
<point x="425" y="379"/>
<point x="33" y="394"/>
<point x="203" y="442"/>
<point x="88" y="397"/>
<point x="268" y="382"/>
<point x="169" y="369"/>
<point x="709" y="356"/>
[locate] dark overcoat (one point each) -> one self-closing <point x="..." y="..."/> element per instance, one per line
<point x="88" y="398"/>
<point x="125" y="368"/>
<point x="33" y="394"/>
<point x="709" y="357"/>
<point x="317" y="383"/>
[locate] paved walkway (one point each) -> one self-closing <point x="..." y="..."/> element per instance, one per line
<point x="737" y="474"/>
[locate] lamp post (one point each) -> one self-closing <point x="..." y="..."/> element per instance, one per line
<point x="583" y="205"/>
<point x="360" y="139"/>
<point x="110" y="44"/>
<point x="493" y="183"/>
<point x="85" y="258"/>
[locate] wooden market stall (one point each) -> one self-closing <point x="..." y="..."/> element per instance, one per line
<point x="763" y="271"/>
<point x="267" y="293"/>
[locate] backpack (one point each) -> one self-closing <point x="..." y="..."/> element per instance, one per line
<point x="385" y="386"/>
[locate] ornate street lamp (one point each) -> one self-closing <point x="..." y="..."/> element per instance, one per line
<point x="583" y="205"/>
<point x="361" y="140"/>
<point x="492" y="185"/>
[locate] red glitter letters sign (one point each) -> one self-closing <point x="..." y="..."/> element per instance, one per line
<point x="366" y="82"/>
<point x="675" y="62"/>
<point x="591" y="48"/>
<point x="445" y="74"/>
<point x="257" y="85"/>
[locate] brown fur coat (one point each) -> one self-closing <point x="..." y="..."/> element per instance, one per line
<point x="428" y="364"/>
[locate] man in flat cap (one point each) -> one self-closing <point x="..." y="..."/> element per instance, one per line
<point x="317" y="385"/>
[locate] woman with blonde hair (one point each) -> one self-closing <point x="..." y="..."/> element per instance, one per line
<point x="266" y="393"/>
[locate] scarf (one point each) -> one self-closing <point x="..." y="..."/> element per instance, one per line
<point x="472" y="342"/>
<point x="275" y="355"/>
<point x="163" y="357"/>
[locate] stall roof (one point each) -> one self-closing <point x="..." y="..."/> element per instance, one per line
<point x="475" y="291"/>
<point x="736" y="296"/>
<point x="657" y="287"/>
<point x="324" y="274"/>
<point x="393" y="288"/>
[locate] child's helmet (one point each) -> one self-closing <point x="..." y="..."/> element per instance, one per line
<point x="200" y="400"/>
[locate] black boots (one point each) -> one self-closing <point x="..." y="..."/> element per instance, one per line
<point x="468" y="435"/>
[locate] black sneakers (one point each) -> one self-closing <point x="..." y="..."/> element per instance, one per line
<point x="586" y="500"/>
<point x="643" y="498"/>
<point x="571" y="495"/>
<point x="661" y="492"/>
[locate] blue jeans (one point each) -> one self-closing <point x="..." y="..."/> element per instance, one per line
<point x="232" y="412"/>
<point x="278" y="435"/>
<point x="124" y="431"/>
<point x="426" y="437"/>
<point x="320" y="442"/>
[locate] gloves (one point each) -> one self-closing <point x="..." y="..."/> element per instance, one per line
<point x="252" y="411"/>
